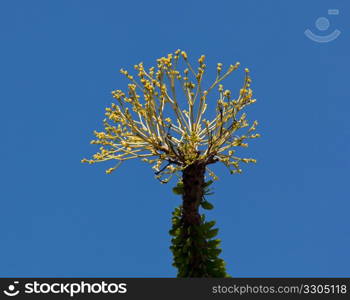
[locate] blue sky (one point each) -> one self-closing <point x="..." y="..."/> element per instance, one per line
<point x="287" y="216"/>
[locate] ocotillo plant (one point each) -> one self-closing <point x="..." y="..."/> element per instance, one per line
<point x="150" y="122"/>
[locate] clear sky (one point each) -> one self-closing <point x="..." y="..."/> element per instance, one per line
<point x="288" y="215"/>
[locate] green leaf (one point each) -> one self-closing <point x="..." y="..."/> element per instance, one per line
<point x="178" y="189"/>
<point x="214" y="252"/>
<point x="207" y="190"/>
<point x="174" y="231"/>
<point x="212" y="233"/>
<point x="214" y="243"/>
<point x="207" y="225"/>
<point x="207" y="205"/>
<point x="177" y="211"/>
<point x="210" y="224"/>
<point x="208" y="183"/>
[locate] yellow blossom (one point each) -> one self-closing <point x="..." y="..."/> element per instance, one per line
<point x="149" y="123"/>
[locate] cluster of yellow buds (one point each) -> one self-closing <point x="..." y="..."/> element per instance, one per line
<point x="160" y="131"/>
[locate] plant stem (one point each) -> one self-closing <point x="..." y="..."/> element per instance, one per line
<point x="194" y="246"/>
<point x="193" y="192"/>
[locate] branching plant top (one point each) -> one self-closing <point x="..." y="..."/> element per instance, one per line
<point x="161" y="118"/>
